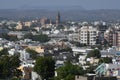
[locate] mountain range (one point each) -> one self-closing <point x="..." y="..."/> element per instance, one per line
<point x="78" y="14"/>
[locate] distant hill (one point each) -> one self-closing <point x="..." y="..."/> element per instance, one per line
<point x="106" y="15"/>
<point x="52" y="8"/>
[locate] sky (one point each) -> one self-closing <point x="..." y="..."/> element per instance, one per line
<point x="87" y="4"/>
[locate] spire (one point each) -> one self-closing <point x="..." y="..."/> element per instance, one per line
<point x="58" y="19"/>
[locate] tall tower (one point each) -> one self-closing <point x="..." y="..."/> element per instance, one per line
<point x="58" y="19"/>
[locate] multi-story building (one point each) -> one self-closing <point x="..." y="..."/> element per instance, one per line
<point x="19" y="26"/>
<point x="58" y="19"/>
<point x="28" y="23"/>
<point x="108" y="35"/>
<point x="44" y="21"/>
<point x="74" y="37"/>
<point x="112" y="36"/>
<point x="88" y="35"/>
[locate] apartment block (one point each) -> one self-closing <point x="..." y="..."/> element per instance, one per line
<point x="88" y="35"/>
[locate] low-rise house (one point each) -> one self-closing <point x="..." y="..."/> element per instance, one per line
<point x="80" y="78"/>
<point x="111" y="52"/>
<point x="12" y="51"/>
<point x="59" y="63"/>
<point x="19" y="34"/>
<point x="92" y="60"/>
<point x="27" y="73"/>
<point x="108" y="70"/>
<point x="73" y="37"/>
<point x="38" y="49"/>
<point x="24" y="55"/>
<point x="116" y="59"/>
<point x="1" y="48"/>
<point x="77" y="50"/>
<point x="35" y="76"/>
<point x="82" y="59"/>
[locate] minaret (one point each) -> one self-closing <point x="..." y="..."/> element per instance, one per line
<point x="58" y="19"/>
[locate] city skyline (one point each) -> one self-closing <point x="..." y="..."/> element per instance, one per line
<point x="85" y="4"/>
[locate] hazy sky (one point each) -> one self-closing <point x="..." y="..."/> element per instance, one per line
<point x="87" y="4"/>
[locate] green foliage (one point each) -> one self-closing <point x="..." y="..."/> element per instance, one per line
<point x="14" y="61"/>
<point x="94" y="53"/>
<point x="45" y="67"/>
<point x="33" y="54"/>
<point x="28" y="35"/>
<point x="70" y="77"/>
<point x="9" y="37"/>
<point x="78" y="44"/>
<point x="4" y="52"/>
<point x="41" y="38"/>
<point x="91" y="69"/>
<point x="105" y="60"/>
<point x="68" y="71"/>
<point x="67" y="49"/>
<point x="8" y="66"/>
<point x="15" y="79"/>
<point x="4" y="67"/>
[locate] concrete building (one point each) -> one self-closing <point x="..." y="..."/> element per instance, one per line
<point x="19" y="26"/>
<point x="108" y="70"/>
<point x="35" y="76"/>
<point x="24" y="55"/>
<point x="44" y="21"/>
<point x="80" y="78"/>
<point x="58" y="19"/>
<point x="38" y="49"/>
<point x="28" y="23"/>
<point x="110" y="52"/>
<point x="74" y="37"/>
<point x="77" y="50"/>
<point x="112" y="36"/>
<point x="88" y="35"/>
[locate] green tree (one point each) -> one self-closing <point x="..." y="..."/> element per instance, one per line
<point x="4" y="52"/>
<point x="33" y="54"/>
<point x="28" y="35"/>
<point x="70" y="77"/>
<point x="45" y="67"/>
<point x="105" y="60"/>
<point x="67" y="49"/>
<point x="94" y="53"/>
<point x="69" y="70"/>
<point x="15" y="79"/>
<point x="4" y="67"/>
<point x="41" y="38"/>
<point x="8" y="66"/>
<point x="9" y="37"/>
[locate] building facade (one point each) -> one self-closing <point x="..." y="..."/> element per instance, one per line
<point x="88" y="35"/>
<point x="58" y="19"/>
<point x="112" y="36"/>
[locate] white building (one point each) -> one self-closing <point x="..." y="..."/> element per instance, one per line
<point x="12" y="51"/>
<point x="77" y="50"/>
<point x="35" y="76"/>
<point x="113" y="69"/>
<point x="24" y="55"/>
<point x="88" y="35"/>
<point x="74" y="37"/>
<point x="111" y="52"/>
